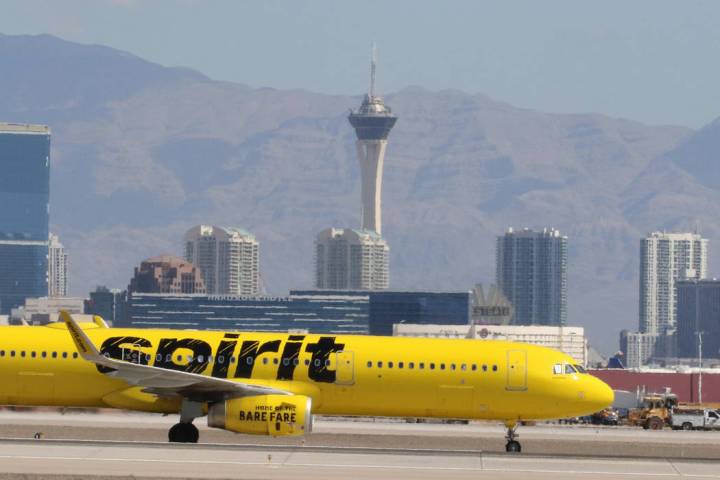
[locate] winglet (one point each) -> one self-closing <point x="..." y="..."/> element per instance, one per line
<point x="82" y="342"/>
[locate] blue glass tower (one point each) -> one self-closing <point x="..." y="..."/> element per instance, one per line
<point x="24" y="213"/>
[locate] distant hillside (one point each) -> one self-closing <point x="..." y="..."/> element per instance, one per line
<point x="141" y="152"/>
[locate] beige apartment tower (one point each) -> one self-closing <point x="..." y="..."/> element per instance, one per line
<point x="348" y="259"/>
<point x="57" y="268"/>
<point x="664" y="259"/>
<point x="228" y="259"/>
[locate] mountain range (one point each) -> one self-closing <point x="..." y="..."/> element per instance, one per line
<point x="141" y="152"/>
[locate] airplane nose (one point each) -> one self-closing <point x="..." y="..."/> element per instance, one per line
<point x="599" y="394"/>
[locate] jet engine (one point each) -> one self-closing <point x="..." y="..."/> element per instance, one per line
<point x="275" y="415"/>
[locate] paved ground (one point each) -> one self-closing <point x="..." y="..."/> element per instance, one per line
<point x="486" y="437"/>
<point x="60" y="461"/>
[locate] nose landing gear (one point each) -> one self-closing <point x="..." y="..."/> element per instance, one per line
<point x="512" y="445"/>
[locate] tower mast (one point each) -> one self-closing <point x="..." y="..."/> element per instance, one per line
<point x="373" y="62"/>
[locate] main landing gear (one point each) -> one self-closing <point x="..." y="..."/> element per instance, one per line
<point x="512" y="445"/>
<point x="185" y="431"/>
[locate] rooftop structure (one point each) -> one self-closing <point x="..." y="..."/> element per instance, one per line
<point x="570" y="340"/>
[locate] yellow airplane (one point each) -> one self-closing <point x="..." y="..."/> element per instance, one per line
<point x="272" y="384"/>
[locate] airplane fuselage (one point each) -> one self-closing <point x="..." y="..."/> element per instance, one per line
<point x="343" y="374"/>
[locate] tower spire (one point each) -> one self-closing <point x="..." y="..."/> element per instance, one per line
<point x="373" y="62"/>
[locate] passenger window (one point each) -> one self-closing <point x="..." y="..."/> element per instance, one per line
<point x="232" y="359"/>
<point x="22" y="354"/>
<point x="2" y="353"/>
<point x="286" y="362"/>
<point x="369" y="364"/>
<point x="179" y="358"/>
<point x="411" y="365"/>
<point x="296" y="362"/>
<point x="463" y="367"/>
<point x="221" y="359"/>
<point x="442" y="366"/>
<point x="452" y="366"/>
<point x="401" y="364"/>
<point x="275" y="361"/>
<point x="64" y="354"/>
<point x="557" y="369"/>
<point x="12" y="353"/>
<point x="75" y="354"/>
<point x="432" y="366"/>
<point x="201" y="359"/>
<point x="32" y="354"/>
<point x="494" y="368"/>
<point x="317" y="362"/>
<point x="569" y="368"/>
<point x="249" y="360"/>
<point x="307" y="362"/>
<point x="158" y="358"/>
<point x="421" y="365"/>
<point x="484" y="368"/>
<point x="390" y="364"/>
<point x="43" y="354"/>
<point x="265" y="361"/>
<point x="54" y="354"/>
<point x="380" y="364"/>
<point x="190" y="358"/>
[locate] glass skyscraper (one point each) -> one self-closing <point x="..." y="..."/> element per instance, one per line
<point x="24" y="213"/>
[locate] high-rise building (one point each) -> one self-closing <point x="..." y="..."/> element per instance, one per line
<point x="57" y="268"/>
<point x="228" y="259"/>
<point x="531" y="271"/>
<point x="372" y="122"/>
<point x="166" y="274"/>
<point x="664" y="259"/>
<point x="698" y="312"/>
<point x="107" y="303"/>
<point x="638" y="347"/>
<point x="24" y="213"/>
<point x="348" y="259"/>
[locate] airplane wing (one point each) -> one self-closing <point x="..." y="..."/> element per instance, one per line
<point x="163" y="381"/>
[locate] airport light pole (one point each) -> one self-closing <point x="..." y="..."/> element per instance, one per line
<point x="700" y="365"/>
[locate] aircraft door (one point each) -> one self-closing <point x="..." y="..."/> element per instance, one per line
<point x="516" y="370"/>
<point x="344" y="368"/>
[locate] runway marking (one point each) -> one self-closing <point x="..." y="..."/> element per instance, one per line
<point x="367" y="466"/>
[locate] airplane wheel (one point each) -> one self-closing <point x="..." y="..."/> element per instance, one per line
<point x="513" y="446"/>
<point x="183" y="433"/>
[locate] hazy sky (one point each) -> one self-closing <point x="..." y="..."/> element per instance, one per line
<point x="650" y="60"/>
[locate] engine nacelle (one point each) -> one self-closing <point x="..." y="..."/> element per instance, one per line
<point x="263" y="415"/>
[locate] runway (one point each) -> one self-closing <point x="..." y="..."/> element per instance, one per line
<point x="118" y="444"/>
<point x="383" y="433"/>
<point x="41" y="458"/>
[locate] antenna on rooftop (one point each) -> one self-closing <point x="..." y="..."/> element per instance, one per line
<point x="373" y="62"/>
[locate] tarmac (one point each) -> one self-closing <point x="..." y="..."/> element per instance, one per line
<point x="119" y="445"/>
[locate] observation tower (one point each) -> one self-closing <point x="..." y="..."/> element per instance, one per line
<point x="372" y="123"/>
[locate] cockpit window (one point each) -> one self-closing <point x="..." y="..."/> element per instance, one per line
<point x="580" y="368"/>
<point x="569" y="368"/>
<point x="557" y="369"/>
